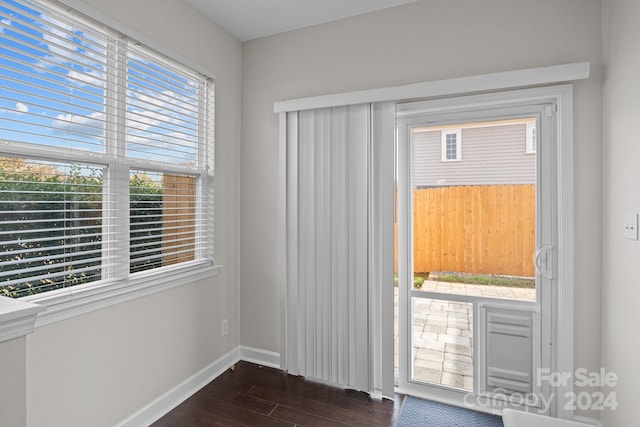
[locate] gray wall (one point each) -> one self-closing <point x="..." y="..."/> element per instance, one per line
<point x="99" y="368"/>
<point x="620" y="287"/>
<point x="13" y="390"/>
<point x="490" y="156"/>
<point x="409" y="44"/>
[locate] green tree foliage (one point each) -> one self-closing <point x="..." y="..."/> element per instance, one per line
<point x="146" y="206"/>
<point x="51" y="224"/>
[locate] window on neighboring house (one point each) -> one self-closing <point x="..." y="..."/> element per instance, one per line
<point x="532" y="138"/>
<point x="106" y="154"/>
<point x="451" y="145"/>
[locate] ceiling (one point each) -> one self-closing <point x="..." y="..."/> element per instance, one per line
<point x="251" y="19"/>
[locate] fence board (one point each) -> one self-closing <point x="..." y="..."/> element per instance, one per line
<point x="487" y="229"/>
<point x="179" y="209"/>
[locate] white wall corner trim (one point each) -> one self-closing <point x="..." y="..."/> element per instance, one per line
<point x="174" y="397"/>
<point x="554" y="74"/>
<point x="17" y="318"/>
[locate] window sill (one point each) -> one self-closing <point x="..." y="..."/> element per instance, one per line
<point x="17" y="318"/>
<point x="77" y="300"/>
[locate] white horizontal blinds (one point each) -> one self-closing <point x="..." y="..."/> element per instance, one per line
<point x="52" y="78"/>
<point x="51" y="217"/>
<point x="169" y="110"/>
<point x="163" y="219"/>
<point x="53" y="89"/>
<point x="206" y="162"/>
<point x="329" y="236"/>
<point x="162" y="109"/>
<point x="75" y="91"/>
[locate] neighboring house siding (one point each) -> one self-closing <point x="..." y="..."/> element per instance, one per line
<point x="490" y="155"/>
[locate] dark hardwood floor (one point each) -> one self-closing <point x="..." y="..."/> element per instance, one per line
<point x="253" y="395"/>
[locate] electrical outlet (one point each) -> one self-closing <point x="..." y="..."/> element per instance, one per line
<point x="224" y="327"/>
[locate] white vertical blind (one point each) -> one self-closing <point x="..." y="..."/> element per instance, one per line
<point x="381" y="247"/>
<point x="338" y="299"/>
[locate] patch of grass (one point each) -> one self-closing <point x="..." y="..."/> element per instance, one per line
<point x="486" y="279"/>
<point x="418" y="281"/>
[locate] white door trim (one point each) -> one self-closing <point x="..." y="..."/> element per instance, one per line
<point x="562" y="96"/>
<point x="461" y="85"/>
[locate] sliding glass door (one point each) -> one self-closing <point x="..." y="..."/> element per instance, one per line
<point x="476" y="244"/>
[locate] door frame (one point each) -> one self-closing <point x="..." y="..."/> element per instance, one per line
<point x="562" y="328"/>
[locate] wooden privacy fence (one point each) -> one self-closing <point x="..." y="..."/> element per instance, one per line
<point x="484" y="229"/>
<point x="178" y="218"/>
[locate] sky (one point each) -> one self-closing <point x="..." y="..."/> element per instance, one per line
<point x="53" y="81"/>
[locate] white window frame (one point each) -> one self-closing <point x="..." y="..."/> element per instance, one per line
<point x="121" y="286"/>
<point x="444" y="149"/>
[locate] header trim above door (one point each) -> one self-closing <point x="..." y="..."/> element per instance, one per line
<point x="456" y="86"/>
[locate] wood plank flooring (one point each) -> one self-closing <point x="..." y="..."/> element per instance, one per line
<point x="253" y="395"/>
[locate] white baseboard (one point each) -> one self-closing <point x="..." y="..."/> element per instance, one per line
<point x="260" y="357"/>
<point x="174" y="397"/>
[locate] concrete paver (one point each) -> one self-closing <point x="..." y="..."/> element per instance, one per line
<point x="442" y="332"/>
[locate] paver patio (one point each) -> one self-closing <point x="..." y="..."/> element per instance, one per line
<point x="443" y="330"/>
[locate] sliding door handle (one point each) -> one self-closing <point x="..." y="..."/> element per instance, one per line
<point x="545" y="271"/>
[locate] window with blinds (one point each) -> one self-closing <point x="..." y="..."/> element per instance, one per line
<point x="106" y="154"/>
